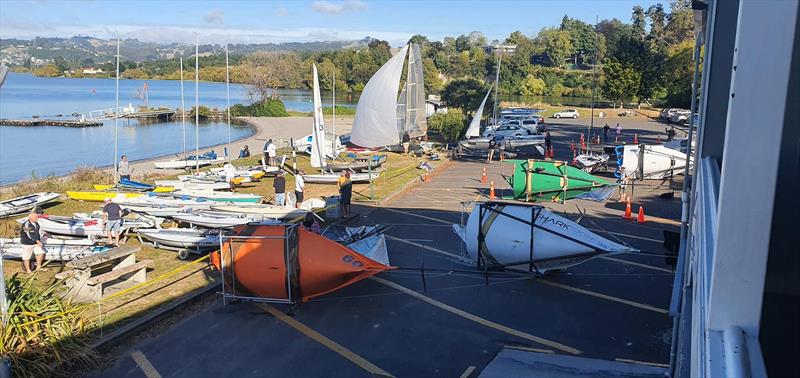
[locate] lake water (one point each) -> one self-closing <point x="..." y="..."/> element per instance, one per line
<point x="27" y="151"/>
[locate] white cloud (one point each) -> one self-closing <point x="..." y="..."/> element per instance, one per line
<point x="27" y="29"/>
<point x="330" y="7"/>
<point x="215" y="16"/>
<point x="281" y="12"/>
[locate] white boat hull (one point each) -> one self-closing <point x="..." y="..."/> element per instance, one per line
<point x="194" y="184"/>
<point x="557" y="242"/>
<point x="268" y="211"/>
<point x="82" y="227"/>
<point x="219" y="220"/>
<point x="186" y="164"/>
<point x="334" y="178"/>
<point x="54" y="249"/>
<point x="25" y="203"/>
<point x="180" y="238"/>
<point x="658" y="162"/>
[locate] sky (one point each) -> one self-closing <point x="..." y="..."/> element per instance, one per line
<point x="258" y="21"/>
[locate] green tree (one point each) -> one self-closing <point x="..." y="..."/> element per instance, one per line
<point x="680" y="23"/>
<point x="621" y="82"/>
<point x="557" y="46"/>
<point x="433" y="83"/>
<point x="678" y="74"/>
<point x="451" y="125"/>
<point x="532" y="86"/>
<point x="465" y="94"/>
<point x="638" y="22"/>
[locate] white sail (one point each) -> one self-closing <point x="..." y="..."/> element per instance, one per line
<point x="402" y="109"/>
<point x="474" y="128"/>
<point x="318" y="134"/>
<point x="416" y="116"/>
<point x="375" y="123"/>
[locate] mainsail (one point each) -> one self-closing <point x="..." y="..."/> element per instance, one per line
<point x="416" y="121"/>
<point x="475" y="126"/>
<point x="318" y="134"/>
<point x="375" y="123"/>
<point x="402" y="110"/>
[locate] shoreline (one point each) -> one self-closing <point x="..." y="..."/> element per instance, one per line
<point x="280" y="129"/>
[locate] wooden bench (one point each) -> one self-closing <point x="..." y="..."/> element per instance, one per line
<point x="91" y="276"/>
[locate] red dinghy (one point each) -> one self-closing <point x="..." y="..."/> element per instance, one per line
<point x="286" y="263"/>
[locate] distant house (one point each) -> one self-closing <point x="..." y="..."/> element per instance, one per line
<point x="433" y="106"/>
<point x="92" y="71"/>
<point x="498" y="48"/>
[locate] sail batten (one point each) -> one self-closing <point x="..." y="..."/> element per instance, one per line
<point x="375" y="123"/>
<point x="475" y="126"/>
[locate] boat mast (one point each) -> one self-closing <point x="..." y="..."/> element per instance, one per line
<point x="183" y="112"/>
<point x="594" y="86"/>
<point x="197" y="103"/>
<point x="228" y="100"/>
<point x="496" y="86"/>
<point x="116" y="118"/>
<point x="333" y="102"/>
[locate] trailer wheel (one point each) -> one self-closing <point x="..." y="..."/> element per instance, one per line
<point x="183" y="254"/>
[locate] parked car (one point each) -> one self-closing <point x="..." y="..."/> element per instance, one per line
<point x="567" y="113"/>
<point x="507" y="130"/>
<point x="533" y="124"/>
<point x="680" y="116"/>
<point x="667" y="113"/>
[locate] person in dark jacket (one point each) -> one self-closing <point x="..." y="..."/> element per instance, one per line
<point x="346" y="194"/>
<point x="31" y="239"/>
<point x="280" y="189"/>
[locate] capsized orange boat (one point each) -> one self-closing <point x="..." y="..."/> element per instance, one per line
<point x="286" y="263"/>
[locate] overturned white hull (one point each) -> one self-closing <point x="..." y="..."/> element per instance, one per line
<point x="557" y="242"/>
<point x="25" y="203"/>
<point x="652" y="161"/>
<point x="334" y="178"/>
<point x="55" y="249"/>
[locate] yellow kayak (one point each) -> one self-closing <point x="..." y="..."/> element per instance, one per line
<point x="158" y="189"/>
<point x="99" y="196"/>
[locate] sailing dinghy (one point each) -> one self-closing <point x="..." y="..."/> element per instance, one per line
<point x="657" y="161"/>
<point x="83" y="225"/>
<point x="54" y="249"/>
<point x="180" y="238"/>
<point x="288" y="264"/>
<point x="25" y="203"/>
<point x="530" y="237"/>
<point x="220" y="219"/>
<point x="268" y="211"/>
<point x="543" y="180"/>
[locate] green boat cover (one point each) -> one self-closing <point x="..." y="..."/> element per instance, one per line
<point x="550" y="181"/>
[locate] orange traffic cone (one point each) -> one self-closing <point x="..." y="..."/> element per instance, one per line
<point x="640" y="217"/>
<point x="628" y="210"/>
<point x="491" y="190"/>
<point x="635" y="138"/>
<point x="483" y="176"/>
<point x="582" y="140"/>
<point x="428" y="176"/>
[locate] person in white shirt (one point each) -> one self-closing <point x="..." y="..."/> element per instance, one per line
<point x="299" y="185"/>
<point x="271" y="151"/>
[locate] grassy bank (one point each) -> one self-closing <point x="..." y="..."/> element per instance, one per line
<point x="103" y="317"/>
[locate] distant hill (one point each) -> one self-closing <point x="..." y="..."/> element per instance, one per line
<point x="87" y="51"/>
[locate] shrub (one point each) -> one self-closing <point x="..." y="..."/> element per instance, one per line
<point x="449" y="125"/>
<point x="265" y="108"/>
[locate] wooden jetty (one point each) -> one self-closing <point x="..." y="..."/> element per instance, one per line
<point x="49" y="122"/>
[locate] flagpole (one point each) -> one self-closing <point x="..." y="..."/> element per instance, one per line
<point x="333" y="93"/>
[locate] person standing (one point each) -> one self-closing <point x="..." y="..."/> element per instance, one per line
<point x="492" y="147"/>
<point x="299" y="186"/>
<point x="266" y="152"/>
<point x="124" y="169"/>
<point x="619" y="131"/>
<point x="31" y="240"/>
<point x="406" y="142"/>
<point x="271" y="152"/>
<point x="112" y="220"/>
<point x="548" y="143"/>
<point x="280" y="189"/>
<point x="606" y="128"/>
<point x="346" y="194"/>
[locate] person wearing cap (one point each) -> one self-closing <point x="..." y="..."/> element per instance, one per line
<point x="112" y="220"/>
<point x="31" y="239"/>
<point x="124" y="169"/>
<point x="299" y="186"/>
<point x="279" y="184"/>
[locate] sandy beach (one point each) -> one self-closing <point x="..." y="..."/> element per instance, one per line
<point x="280" y="129"/>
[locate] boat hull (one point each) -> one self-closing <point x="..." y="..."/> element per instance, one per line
<point x="656" y="162"/>
<point x="510" y="241"/>
<point x="180" y="238"/>
<point x="100" y="196"/>
<point x="56" y="251"/>
<point x="25" y="203"/>
<point x="312" y="265"/>
<point x="333" y="178"/>
<point x="268" y="211"/>
<point x="550" y="181"/>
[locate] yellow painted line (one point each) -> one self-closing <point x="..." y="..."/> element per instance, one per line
<point x="434" y="249"/>
<point x="330" y="344"/>
<point x="467" y="372"/>
<point x="656" y="364"/>
<point x="636" y="264"/>
<point x="417" y="215"/>
<point x="477" y="319"/>
<point x="144" y="364"/>
<point x="603" y="296"/>
<point x="528" y="349"/>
